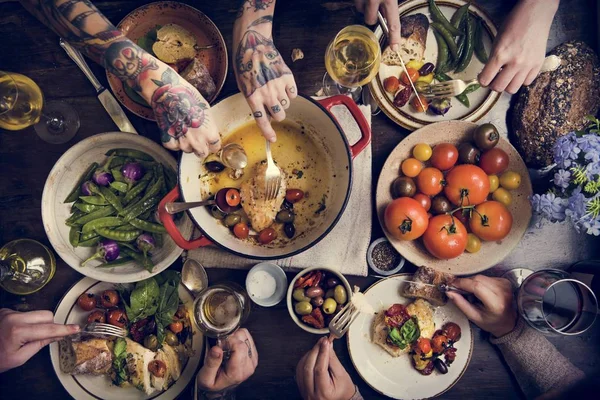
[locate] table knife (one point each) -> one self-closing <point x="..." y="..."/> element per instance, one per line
<point x="442" y="287"/>
<point x="106" y="98"/>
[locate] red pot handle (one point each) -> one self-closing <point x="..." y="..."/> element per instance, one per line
<point x="359" y="117"/>
<point x="167" y="220"/>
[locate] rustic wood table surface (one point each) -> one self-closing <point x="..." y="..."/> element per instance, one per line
<point x="28" y="47"/>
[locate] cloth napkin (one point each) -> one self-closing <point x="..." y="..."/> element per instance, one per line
<point x="345" y="247"/>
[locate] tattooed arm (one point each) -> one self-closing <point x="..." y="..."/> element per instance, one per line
<point x="262" y="75"/>
<point x="181" y="112"/>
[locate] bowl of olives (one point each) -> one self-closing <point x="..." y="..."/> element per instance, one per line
<point x="315" y="296"/>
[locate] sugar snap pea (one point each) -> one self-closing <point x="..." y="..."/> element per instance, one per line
<point x="138" y="188"/>
<point x="87" y="208"/>
<point x="147" y="226"/>
<point x="87" y="236"/>
<point x="447" y="37"/>
<point x="74" y="236"/>
<point x="103" y="212"/>
<point x="145" y="261"/>
<point x="457" y="18"/>
<point x="130" y="153"/>
<point x="102" y="222"/>
<point x="119" y="186"/>
<point x="116" y="173"/>
<point x="95" y="200"/>
<point x="76" y="192"/>
<point x="90" y="242"/>
<point x="443" y="54"/>
<point x="479" y="46"/>
<point x="463" y="99"/>
<point x="141" y="208"/>
<point x="112" y="199"/>
<point x="125" y="227"/>
<point x="465" y="60"/>
<point x="121" y="236"/>
<point x="115" y="263"/>
<point x="439" y="17"/>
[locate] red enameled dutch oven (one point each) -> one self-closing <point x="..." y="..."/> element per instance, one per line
<point x="233" y="112"/>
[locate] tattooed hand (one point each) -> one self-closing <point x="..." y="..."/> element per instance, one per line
<point x="261" y="73"/>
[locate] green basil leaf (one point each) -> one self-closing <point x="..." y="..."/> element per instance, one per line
<point x="143" y="299"/>
<point x="168" y="302"/>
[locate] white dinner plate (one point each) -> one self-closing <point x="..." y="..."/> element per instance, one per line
<point x="86" y="387"/>
<point x="396" y="377"/>
<point x="481" y="101"/>
<point x="61" y="180"/>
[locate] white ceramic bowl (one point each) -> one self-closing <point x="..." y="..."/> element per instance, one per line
<point x="279" y="280"/>
<point x="67" y="172"/>
<point x="290" y="301"/>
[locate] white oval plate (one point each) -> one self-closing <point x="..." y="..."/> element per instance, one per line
<point x="66" y="173"/>
<point x="396" y="377"/>
<point x="100" y="387"/>
<point x="481" y="100"/>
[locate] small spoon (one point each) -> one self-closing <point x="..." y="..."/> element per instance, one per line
<point x="220" y="201"/>
<point x="193" y="276"/>
<point x="233" y="156"/>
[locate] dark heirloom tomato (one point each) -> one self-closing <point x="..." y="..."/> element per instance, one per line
<point x="87" y="301"/>
<point x="486" y="136"/>
<point x="452" y="331"/>
<point x="467" y="185"/>
<point x="445" y="237"/>
<point x="494" y="161"/>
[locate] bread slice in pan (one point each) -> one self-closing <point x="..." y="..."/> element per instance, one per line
<point x="413" y="40"/>
<point x="432" y="294"/>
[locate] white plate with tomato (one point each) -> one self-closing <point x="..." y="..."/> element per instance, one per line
<point x="454" y="196"/>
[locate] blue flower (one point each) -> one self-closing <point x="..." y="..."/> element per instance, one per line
<point x="592" y="155"/>
<point x="589" y="142"/>
<point x="592" y="227"/>
<point x="561" y="178"/>
<point x="549" y="206"/>
<point x="576" y="205"/>
<point x="566" y="150"/>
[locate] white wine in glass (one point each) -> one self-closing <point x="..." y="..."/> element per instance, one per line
<point x="352" y="60"/>
<point x="21" y="102"/>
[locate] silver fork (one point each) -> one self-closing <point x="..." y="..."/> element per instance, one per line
<point x="272" y="176"/>
<point x="340" y="324"/>
<point x="97" y="328"/>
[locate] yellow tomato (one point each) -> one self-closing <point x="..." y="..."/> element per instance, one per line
<point x="473" y="243"/>
<point x="415" y="64"/>
<point x="426" y="78"/>
<point x="422" y="152"/>
<point x="510" y="180"/>
<point x="494" y="183"/>
<point x="503" y="196"/>
<point x="411" y="167"/>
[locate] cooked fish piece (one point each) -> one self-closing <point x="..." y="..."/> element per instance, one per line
<point x="413" y="40"/>
<point x="424" y="313"/>
<point x="138" y="358"/>
<point x="170" y="357"/>
<point x="261" y="211"/>
<point x="88" y="357"/>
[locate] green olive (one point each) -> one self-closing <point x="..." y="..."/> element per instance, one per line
<point x="298" y="295"/>
<point x="216" y="213"/>
<point x="232" y="219"/>
<point x="171" y="339"/>
<point x="151" y="342"/>
<point x="303" y="308"/>
<point x="340" y="294"/>
<point x="329" y="306"/>
<point x="285" y="216"/>
<point x="330" y="293"/>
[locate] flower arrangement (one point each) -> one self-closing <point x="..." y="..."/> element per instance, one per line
<point x="575" y="195"/>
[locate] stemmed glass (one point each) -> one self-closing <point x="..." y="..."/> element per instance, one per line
<point x="352" y="60"/>
<point x="551" y="301"/>
<point x="22" y="105"/>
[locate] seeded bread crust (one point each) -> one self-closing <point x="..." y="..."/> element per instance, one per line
<point x="413" y="40"/>
<point x="429" y="276"/>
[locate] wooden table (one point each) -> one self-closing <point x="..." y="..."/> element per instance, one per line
<point x="27" y="47"/>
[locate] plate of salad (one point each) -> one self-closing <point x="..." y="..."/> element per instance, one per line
<point x="157" y="360"/>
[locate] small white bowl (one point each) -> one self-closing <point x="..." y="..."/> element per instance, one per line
<point x="263" y="274"/>
<point x="392" y="271"/>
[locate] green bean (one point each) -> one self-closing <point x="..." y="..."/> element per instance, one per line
<point x="130" y="153"/>
<point x="102" y="222"/>
<point x="121" y="236"/>
<point x="141" y="208"/>
<point x="138" y="188"/>
<point x="112" y="199"/>
<point x="87" y="208"/>
<point x="119" y="186"/>
<point x="465" y="60"/>
<point x="457" y="17"/>
<point x="90" y="242"/>
<point x="439" y="17"/>
<point x="479" y="46"/>
<point x="115" y="263"/>
<point x="74" y="236"/>
<point x="147" y="226"/>
<point x="442" y="57"/>
<point x="116" y="173"/>
<point x="95" y="200"/>
<point x="447" y="37"/>
<point x="76" y="192"/>
<point x="145" y="261"/>
<point x="103" y="212"/>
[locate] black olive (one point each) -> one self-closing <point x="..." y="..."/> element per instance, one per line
<point x="468" y="154"/>
<point x="486" y="136"/>
<point x="287" y="205"/>
<point x="440" y="205"/>
<point x="289" y="230"/>
<point x="285" y="216"/>
<point x="403" y="186"/>
<point x="440" y="365"/>
<point x="214" y="166"/>
<point x="426" y="69"/>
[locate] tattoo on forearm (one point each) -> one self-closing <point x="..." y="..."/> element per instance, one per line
<point x="267" y="19"/>
<point x="177" y="107"/>
<point x="256" y="5"/>
<point x="257" y="62"/>
<point x="129" y="63"/>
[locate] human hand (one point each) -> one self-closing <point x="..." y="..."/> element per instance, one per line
<point x="520" y="47"/>
<point x="321" y="376"/>
<point x="496" y="314"/>
<point x="389" y="9"/>
<point x="216" y="377"/>
<point x="23" y="334"/>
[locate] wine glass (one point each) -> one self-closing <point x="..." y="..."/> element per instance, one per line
<point x="352" y="60"/>
<point x="25" y="266"/>
<point x="22" y="105"/>
<point x="551" y="301"/>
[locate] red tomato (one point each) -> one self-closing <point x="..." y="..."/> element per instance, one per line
<point x="240" y="230"/>
<point x="86" y="301"/>
<point x="176" y="326"/>
<point x="430" y="181"/>
<point x="445" y="237"/>
<point x="420" y="106"/>
<point x="439" y="343"/>
<point x="467" y="185"/>
<point x="405" y="219"/>
<point x="117" y="317"/>
<point x="294" y="195"/>
<point x="452" y="331"/>
<point x="444" y="156"/>
<point x="491" y="221"/>
<point x="96" y="316"/>
<point x="424" y="200"/>
<point x="232" y="197"/>
<point x="413" y="75"/>
<point x="494" y="161"/>
<point x="423" y="345"/>
<point x="267" y="235"/>
<point x="109" y="299"/>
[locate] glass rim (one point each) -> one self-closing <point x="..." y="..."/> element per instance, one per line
<point x="16" y="90"/>
<point x="365" y="30"/>
<point x="578" y="282"/>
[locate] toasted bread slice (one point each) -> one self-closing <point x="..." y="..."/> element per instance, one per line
<point x="432" y="294"/>
<point x="380" y="333"/>
<point x="88" y="357"/>
<point x="413" y="40"/>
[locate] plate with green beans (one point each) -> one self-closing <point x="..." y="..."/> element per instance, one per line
<point x="99" y="208"/>
<point x="457" y="44"/>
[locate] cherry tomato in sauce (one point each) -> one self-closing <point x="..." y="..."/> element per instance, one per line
<point x="267" y="235"/>
<point x="439" y="343"/>
<point x="452" y="331"/>
<point x="117" y="317"/>
<point x="96" y="316"/>
<point x="294" y="195"/>
<point x="176" y="326"/>
<point x="241" y="230"/>
<point x="87" y="301"/>
<point x="423" y="345"/>
<point x="109" y="299"/>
